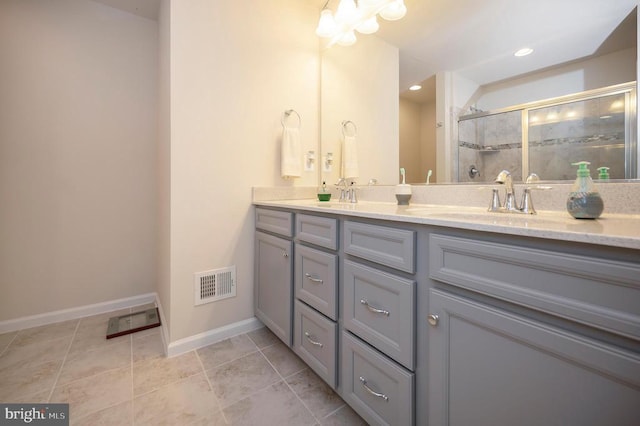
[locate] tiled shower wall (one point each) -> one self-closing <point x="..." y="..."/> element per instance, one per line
<point x="491" y="144"/>
<point x="591" y="130"/>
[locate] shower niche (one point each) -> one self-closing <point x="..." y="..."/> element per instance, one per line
<point x="545" y="137"/>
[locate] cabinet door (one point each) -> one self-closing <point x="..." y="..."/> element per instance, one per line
<point x="491" y="367"/>
<point x="273" y="290"/>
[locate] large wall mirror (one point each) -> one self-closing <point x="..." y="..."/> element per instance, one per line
<point x="462" y="53"/>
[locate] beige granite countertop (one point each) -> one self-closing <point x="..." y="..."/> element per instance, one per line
<point x="616" y="230"/>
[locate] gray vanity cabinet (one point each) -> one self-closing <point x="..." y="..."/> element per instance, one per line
<point x="273" y="286"/>
<point x="490" y="367"/>
<point x="531" y="335"/>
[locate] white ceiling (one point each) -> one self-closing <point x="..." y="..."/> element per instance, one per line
<point x="477" y="39"/>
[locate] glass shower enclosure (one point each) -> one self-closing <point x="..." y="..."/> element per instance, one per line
<point x="545" y="137"/>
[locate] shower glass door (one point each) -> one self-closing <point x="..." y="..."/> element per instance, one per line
<point x="589" y="130"/>
<point x="545" y="137"/>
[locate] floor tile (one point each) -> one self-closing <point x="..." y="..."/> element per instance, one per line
<point x="315" y="393"/>
<point x="90" y="363"/>
<point x="238" y="379"/>
<point x="28" y="379"/>
<point x="6" y="339"/>
<point x="275" y="405"/>
<point x="95" y="393"/>
<point x="180" y="403"/>
<point x="263" y="337"/>
<point x="283" y="359"/>
<point x="345" y="416"/>
<point x="153" y="373"/>
<point x="37" y="352"/>
<point x="40" y="397"/>
<point x="129" y="381"/>
<point x="117" y="415"/>
<point x="45" y="332"/>
<point x="93" y="336"/>
<point x="147" y="347"/>
<point x="225" y="351"/>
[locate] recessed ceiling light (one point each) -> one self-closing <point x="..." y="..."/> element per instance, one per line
<point x="524" y="52"/>
<point x="415" y="87"/>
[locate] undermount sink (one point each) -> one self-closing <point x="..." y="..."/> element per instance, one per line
<point x="474" y="214"/>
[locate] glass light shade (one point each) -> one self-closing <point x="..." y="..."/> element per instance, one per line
<point x="371" y="5"/>
<point x="347" y="39"/>
<point x="394" y="10"/>
<point x="369" y="26"/>
<point x="347" y="12"/>
<point x="326" y="24"/>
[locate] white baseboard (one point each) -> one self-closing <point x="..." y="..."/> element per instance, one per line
<point x="212" y="336"/>
<point x="164" y="328"/>
<point x="74" y="313"/>
<point x="171" y="349"/>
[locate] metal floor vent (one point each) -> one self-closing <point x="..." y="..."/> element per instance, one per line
<point x="214" y="285"/>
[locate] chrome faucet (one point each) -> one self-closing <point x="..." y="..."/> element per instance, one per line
<point x="347" y="192"/>
<point x="510" y="203"/>
<point x="342" y="187"/>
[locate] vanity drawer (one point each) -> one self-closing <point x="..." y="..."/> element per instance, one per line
<point x="380" y="308"/>
<point x="321" y="231"/>
<point x="599" y="292"/>
<point x="315" y="341"/>
<point x="376" y="388"/>
<point x="275" y="221"/>
<point x="381" y="244"/>
<point x="316" y="278"/>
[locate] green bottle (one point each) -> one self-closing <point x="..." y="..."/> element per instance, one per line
<point x="603" y="173"/>
<point x="584" y="201"/>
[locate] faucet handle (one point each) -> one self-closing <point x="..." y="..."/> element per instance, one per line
<point x="353" y="197"/>
<point x="495" y="205"/>
<point x="526" y="206"/>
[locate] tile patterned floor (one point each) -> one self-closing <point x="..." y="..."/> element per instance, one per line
<point x="250" y="379"/>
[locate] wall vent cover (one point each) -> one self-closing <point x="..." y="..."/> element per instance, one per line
<point x="214" y="285"/>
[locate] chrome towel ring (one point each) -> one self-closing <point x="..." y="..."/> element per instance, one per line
<point x="345" y="128"/>
<point x="287" y="114"/>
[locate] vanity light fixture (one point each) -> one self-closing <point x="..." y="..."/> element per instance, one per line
<point x="362" y="17"/>
<point x="415" y="87"/>
<point x="523" y="52"/>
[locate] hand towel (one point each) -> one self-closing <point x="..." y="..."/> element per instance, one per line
<point x="291" y="159"/>
<point x="350" y="157"/>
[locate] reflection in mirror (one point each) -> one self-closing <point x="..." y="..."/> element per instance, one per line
<point x="599" y="52"/>
<point x="547" y="136"/>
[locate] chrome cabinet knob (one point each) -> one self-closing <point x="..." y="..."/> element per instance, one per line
<point x="433" y="320"/>
<point x="285" y="254"/>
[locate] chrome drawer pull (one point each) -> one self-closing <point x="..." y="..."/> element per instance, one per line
<point x="313" y="342"/>
<point x="371" y="391"/>
<point x="312" y="279"/>
<point x="372" y="309"/>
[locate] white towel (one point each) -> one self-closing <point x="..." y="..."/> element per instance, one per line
<point x="350" y="157"/>
<point x="291" y="159"/>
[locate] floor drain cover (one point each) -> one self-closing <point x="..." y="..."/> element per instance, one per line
<point x="130" y="323"/>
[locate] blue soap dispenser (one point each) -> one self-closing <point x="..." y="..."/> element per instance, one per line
<point x="584" y="201"/>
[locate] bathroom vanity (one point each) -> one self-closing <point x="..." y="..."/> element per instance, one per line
<point x="424" y="315"/>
